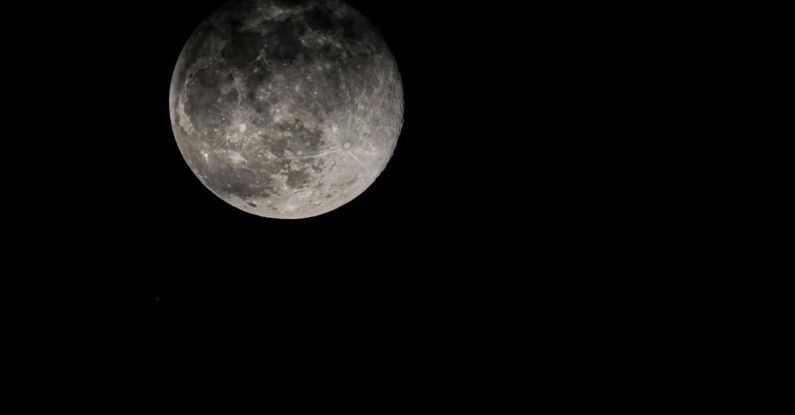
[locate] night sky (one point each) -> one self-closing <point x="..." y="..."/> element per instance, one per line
<point x="133" y="266"/>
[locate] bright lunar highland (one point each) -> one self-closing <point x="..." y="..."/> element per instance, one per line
<point x="286" y="109"/>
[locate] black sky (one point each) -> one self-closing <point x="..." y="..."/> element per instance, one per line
<point x="138" y="267"/>
<point x="559" y="220"/>
<point x="136" y="259"/>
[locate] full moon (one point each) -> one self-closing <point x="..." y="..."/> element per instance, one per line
<point x="286" y="109"/>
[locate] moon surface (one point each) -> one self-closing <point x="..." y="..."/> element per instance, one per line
<point x="286" y="109"/>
